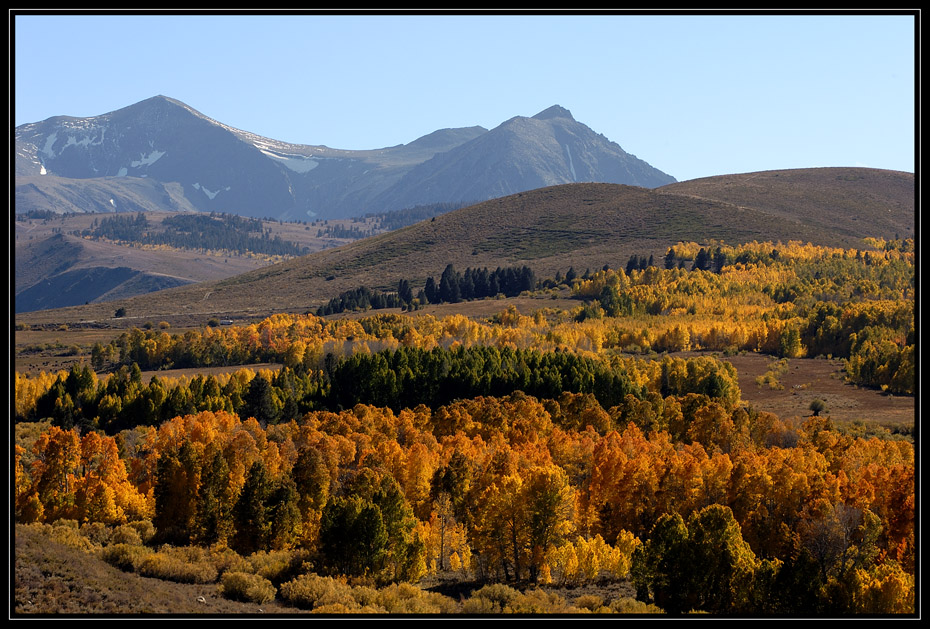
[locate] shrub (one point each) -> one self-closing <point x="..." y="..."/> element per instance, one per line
<point x="498" y="598"/>
<point x="249" y="588"/>
<point x="97" y="532"/>
<point x="446" y="605"/>
<point x="277" y="566"/>
<point x="817" y="407"/>
<point x="537" y="602"/>
<point x="628" y="605"/>
<point x="480" y="606"/>
<point x="592" y="602"/>
<point x="125" y="534"/>
<point x="174" y="566"/>
<point x="126" y="557"/>
<point x="227" y="560"/>
<point x="66" y="532"/>
<point x="491" y="599"/>
<point x="310" y="591"/>
<point x="334" y="608"/>
<point x="404" y="598"/>
<point x="366" y="597"/>
<point x="771" y="378"/>
<point x="145" y="528"/>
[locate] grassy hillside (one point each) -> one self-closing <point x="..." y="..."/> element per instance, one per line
<point x="849" y="202"/>
<point x="551" y="229"/>
<point x="57" y="571"/>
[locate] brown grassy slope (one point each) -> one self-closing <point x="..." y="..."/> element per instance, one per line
<point x="38" y="260"/>
<point x="851" y="202"/>
<point x="51" y="578"/>
<point x="550" y="229"/>
<point x="46" y="246"/>
<point x="51" y="259"/>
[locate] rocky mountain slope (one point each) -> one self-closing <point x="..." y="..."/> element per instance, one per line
<point x="209" y="166"/>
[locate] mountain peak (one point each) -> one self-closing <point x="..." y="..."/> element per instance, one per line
<point x="220" y="167"/>
<point x="160" y="98"/>
<point x="556" y="111"/>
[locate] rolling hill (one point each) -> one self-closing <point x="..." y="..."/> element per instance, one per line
<point x="550" y="229"/>
<point x="67" y="260"/>
<point x="63" y="270"/>
<point x="849" y="202"/>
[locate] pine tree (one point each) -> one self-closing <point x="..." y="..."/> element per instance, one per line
<point x="284" y="519"/>
<point x="720" y="259"/>
<point x="404" y="292"/>
<point x="250" y="516"/>
<point x="213" y="498"/>
<point x="449" y="291"/>
<point x="259" y="401"/>
<point x="701" y="261"/>
<point x="176" y="481"/>
<point x="431" y="291"/>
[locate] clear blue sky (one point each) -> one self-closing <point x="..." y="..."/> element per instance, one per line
<point x="693" y="95"/>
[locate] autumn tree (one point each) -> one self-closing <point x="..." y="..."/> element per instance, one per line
<point x="55" y="470"/>
<point x="104" y="492"/>
<point x="550" y="506"/>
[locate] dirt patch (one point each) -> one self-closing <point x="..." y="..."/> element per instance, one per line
<point x="807" y="379"/>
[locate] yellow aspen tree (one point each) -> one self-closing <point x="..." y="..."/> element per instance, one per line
<point x="55" y="471"/>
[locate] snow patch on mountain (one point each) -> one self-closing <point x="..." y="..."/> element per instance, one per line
<point x="49" y="143"/>
<point x="571" y="165"/>
<point x="147" y="160"/>
<point x="211" y="194"/>
<point x="297" y="163"/>
<point x="84" y="141"/>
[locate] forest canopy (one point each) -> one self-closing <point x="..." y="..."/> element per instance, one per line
<point x="560" y="447"/>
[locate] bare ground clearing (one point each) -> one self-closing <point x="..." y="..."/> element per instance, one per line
<point x="807" y="379"/>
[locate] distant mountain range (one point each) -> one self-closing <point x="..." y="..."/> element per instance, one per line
<point x="160" y="154"/>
